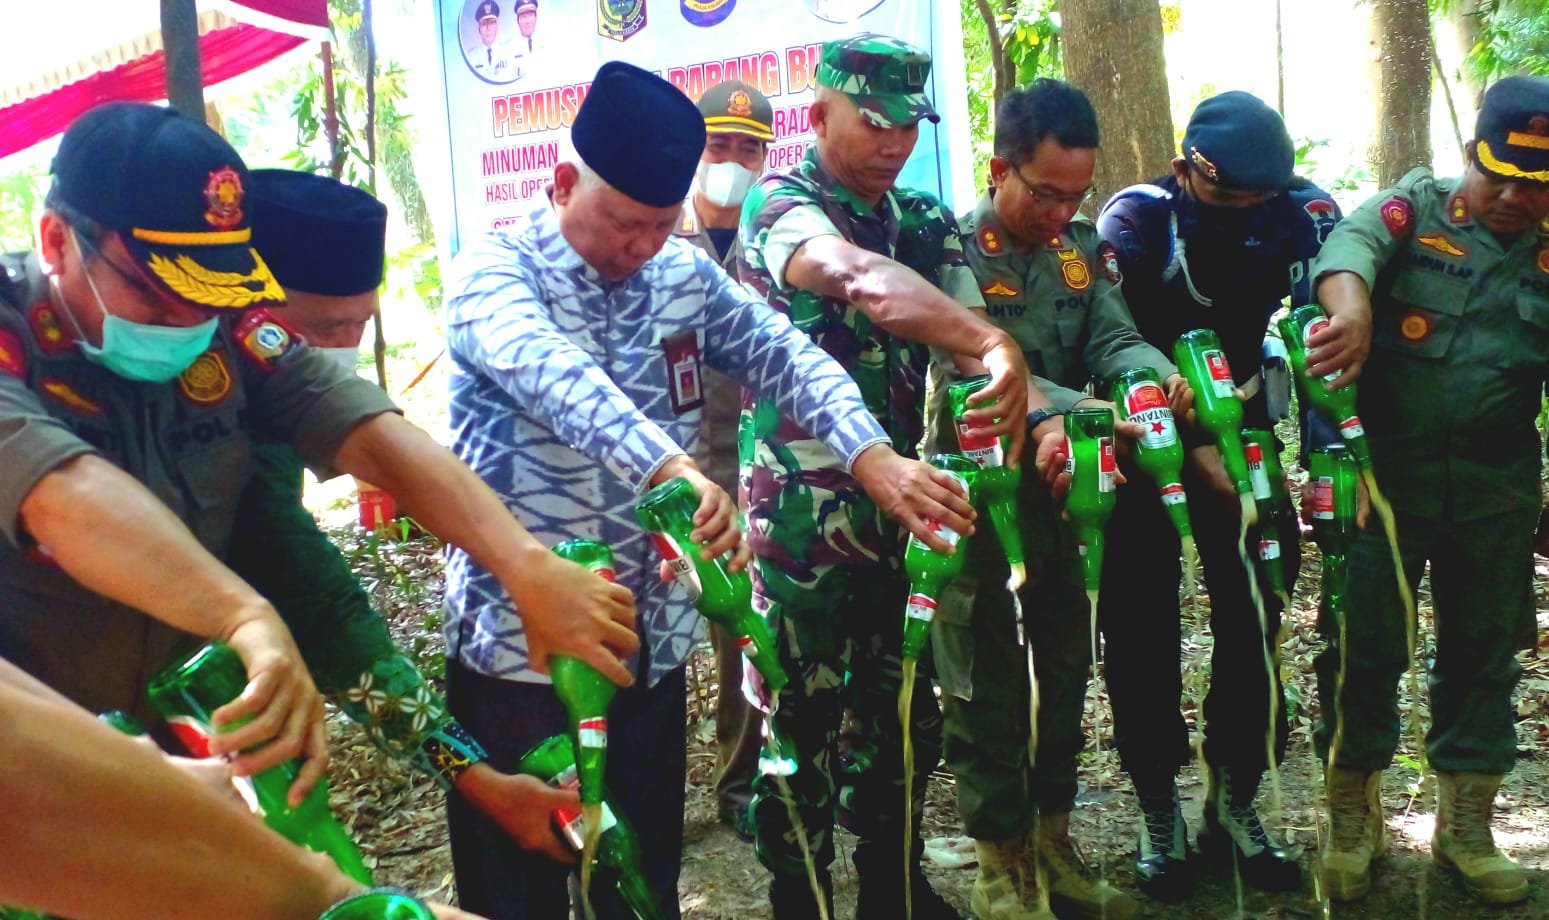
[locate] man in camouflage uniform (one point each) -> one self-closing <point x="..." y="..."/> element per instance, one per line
<point x="1449" y="282"/>
<point x="1049" y="280"/>
<point x="875" y="275"/>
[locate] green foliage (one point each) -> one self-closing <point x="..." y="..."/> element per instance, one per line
<point x="1333" y="177"/>
<point x="1030" y="37"/>
<point x="1513" y="38"/>
<point x="21" y="201"/>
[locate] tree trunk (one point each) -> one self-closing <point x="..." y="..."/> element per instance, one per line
<point x="1113" y="53"/>
<point x="1401" y="38"/>
<point x="1463" y="19"/>
<point x="180" y="47"/>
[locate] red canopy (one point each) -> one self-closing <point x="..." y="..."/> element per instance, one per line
<point x="234" y="39"/>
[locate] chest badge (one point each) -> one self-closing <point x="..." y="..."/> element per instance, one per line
<point x="999" y="289"/>
<point x="1543" y="259"/>
<point x="71" y="398"/>
<point x="1414" y="326"/>
<point x="1441" y="244"/>
<point x="1398" y="215"/>
<point x="1077" y="275"/>
<point x="207" y="381"/>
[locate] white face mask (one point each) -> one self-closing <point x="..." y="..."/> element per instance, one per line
<point x="346" y="357"/>
<point x="726" y="184"/>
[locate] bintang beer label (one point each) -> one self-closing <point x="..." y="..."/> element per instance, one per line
<point x="1312" y="326"/>
<point x="1220" y="374"/>
<point x="983" y="450"/>
<point x="1108" y="466"/>
<point x="921" y="607"/>
<point x="681" y="565"/>
<point x="1322" y="497"/>
<point x="1147" y="407"/>
<point x="569" y="819"/>
<point x="592" y="733"/>
<point x="1257" y="473"/>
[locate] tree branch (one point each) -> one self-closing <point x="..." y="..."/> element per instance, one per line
<point x="997" y="49"/>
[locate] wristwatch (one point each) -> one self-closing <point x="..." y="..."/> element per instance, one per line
<point x="1039" y="416"/>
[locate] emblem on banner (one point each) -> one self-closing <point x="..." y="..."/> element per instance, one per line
<point x="706" y="13"/>
<point x="620" y="20"/>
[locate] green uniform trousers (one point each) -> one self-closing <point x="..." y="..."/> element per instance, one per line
<point x="982" y="665"/>
<point x="839" y="630"/>
<point x="1482" y="588"/>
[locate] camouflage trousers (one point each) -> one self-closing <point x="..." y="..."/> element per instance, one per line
<point x="839" y="630"/>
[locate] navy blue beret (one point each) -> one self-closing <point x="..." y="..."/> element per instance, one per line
<point x="1237" y="141"/>
<point x="640" y="134"/>
<point x="318" y="234"/>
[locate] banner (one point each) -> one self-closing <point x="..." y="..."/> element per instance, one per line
<point x="515" y="72"/>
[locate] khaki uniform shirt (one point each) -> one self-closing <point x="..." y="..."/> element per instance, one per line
<point x="1460" y="350"/>
<point x="189" y="442"/>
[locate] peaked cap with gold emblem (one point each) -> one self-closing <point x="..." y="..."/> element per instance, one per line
<point x="1511" y="136"/>
<point x="174" y="191"/>
<point x="733" y="107"/>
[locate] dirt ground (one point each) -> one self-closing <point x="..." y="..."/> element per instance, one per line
<point x="399" y="817"/>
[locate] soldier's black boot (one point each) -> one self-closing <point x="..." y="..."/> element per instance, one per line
<point x="879" y="869"/>
<point x="791" y="898"/>
<point x="1162" y="858"/>
<point x="1232" y="831"/>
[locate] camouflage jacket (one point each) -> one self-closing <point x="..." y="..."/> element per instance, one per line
<point x="803" y="509"/>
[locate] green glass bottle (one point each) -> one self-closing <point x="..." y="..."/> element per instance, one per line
<point x="1216" y="407"/>
<point x="929" y="571"/>
<point x="1333" y="480"/>
<point x="1339" y="406"/>
<point x="379" y="904"/>
<point x="1094" y="468"/>
<point x="20" y="913"/>
<point x="618" y="849"/>
<point x="997" y="482"/>
<point x="667" y="514"/>
<point x="1159" y="452"/>
<point x="584" y="691"/>
<point x="123" y="721"/>
<point x="187" y="694"/>
<point x="1268" y="482"/>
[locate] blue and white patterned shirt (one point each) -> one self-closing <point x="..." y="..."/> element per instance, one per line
<point x="560" y="400"/>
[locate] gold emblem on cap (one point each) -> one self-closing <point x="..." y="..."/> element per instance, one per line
<point x="1204" y="165"/>
<point x="207" y="380"/>
<point x="232" y="290"/>
<point x="223" y="193"/>
<point x="740" y="104"/>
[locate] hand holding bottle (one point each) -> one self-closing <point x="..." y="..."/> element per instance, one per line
<point x="914" y="494"/>
<point x="567" y="610"/>
<point x="522" y="806"/>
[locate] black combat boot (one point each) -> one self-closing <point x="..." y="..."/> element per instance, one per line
<point x="1162" y="859"/>
<point x="880" y="871"/>
<point x="1233" y="831"/>
<point x="791" y="896"/>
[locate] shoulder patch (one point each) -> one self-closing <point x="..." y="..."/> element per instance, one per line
<point x="13" y="356"/>
<point x="207" y="381"/>
<point x="70" y="397"/>
<point x="1441" y="244"/>
<point x="990" y="241"/>
<point x="1321" y="212"/>
<point x="999" y="289"/>
<point x="1457" y="209"/>
<point x="1398" y="215"/>
<point x="263" y="339"/>
<point x="50" y="335"/>
<point x="1108" y="257"/>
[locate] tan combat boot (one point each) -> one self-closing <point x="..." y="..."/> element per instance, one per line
<point x="1001" y="892"/>
<point x="1355" y="834"/>
<point x="1070" y="890"/>
<point x="1463" y="842"/>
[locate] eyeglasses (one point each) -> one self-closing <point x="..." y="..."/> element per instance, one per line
<point x="139" y="284"/>
<point x="1044" y="197"/>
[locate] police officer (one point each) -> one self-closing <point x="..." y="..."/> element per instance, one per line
<point x="1217" y="244"/>
<point x="1438" y="291"/>
<point x="136" y="367"/>
<point x="494" y="57"/>
<point x="738" y="129"/>
<point x="1049" y="280"/>
<point x="874" y="274"/>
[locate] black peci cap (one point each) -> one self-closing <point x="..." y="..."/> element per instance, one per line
<point x="640" y="134"/>
<point x="318" y="234"/>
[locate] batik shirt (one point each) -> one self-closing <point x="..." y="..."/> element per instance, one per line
<point x="568" y="393"/>
<point x="803" y="508"/>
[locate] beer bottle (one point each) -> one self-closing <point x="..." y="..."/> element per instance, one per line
<point x="1339" y="406"/>
<point x="585" y="692"/>
<point x="1159" y="453"/>
<point x="379" y="904"/>
<point x="1093" y="469"/>
<point x="188" y="692"/>
<point x="929" y="571"/>
<point x="123" y="721"/>
<point x="1216" y="407"/>
<point x="618" y="849"/>
<point x="1268" y="486"/>
<point x="997" y="482"/>
<point x="20" y="913"/>
<point x="1334" y="481"/>
<point x="667" y="514"/>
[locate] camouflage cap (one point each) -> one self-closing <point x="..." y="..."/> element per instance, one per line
<point x="885" y="77"/>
